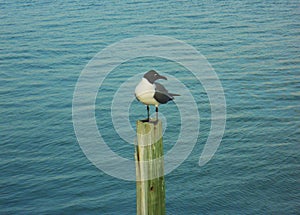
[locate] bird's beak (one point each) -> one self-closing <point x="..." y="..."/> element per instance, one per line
<point x="162" y="77"/>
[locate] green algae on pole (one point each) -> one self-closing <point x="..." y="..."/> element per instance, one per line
<point x="150" y="184"/>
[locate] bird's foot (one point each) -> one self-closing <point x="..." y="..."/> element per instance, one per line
<point x="155" y="121"/>
<point x="145" y="120"/>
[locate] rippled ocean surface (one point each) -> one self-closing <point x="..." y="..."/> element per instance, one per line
<point x="253" y="46"/>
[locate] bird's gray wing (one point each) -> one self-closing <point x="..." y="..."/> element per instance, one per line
<point x="161" y="94"/>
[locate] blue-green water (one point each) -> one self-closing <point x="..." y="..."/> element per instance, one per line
<point x="254" y="47"/>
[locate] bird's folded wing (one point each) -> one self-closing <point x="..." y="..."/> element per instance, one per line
<point x="162" y="95"/>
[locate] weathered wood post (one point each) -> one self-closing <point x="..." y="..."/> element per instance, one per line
<point x="150" y="184"/>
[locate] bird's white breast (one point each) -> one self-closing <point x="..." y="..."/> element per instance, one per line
<point x="144" y="92"/>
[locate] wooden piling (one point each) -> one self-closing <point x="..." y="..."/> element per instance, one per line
<point x="150" y="184"/>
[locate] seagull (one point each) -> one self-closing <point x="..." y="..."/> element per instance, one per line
<point x="151" y="93"/>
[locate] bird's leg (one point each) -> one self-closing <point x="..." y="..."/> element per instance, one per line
<point x="148" y="113"/>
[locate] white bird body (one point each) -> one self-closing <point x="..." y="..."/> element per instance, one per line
<point x="145" y="91"/>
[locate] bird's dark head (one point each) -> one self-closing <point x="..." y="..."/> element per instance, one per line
<point x="152" y="76"/>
